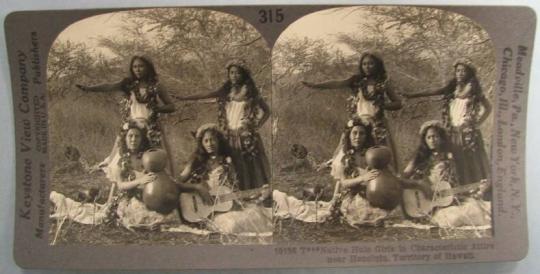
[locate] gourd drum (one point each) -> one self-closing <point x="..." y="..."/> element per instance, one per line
<point x="385" y="190"/>
<point x="378" y="157"/>
<point x="154" y="160"/>
<point x="160" y="195"/>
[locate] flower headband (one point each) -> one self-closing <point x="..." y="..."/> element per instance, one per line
<point x="204" y="128"/>
<point x="428" y="124"/>
<point x="464" y="61"/>
<point x="137" y="123"/>
<point x="237" y="62"/>
<point x="357" y="122"/>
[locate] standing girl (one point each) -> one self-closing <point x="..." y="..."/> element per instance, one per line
<point x="241" y="112"/>
<point x="145" y="99"/>
<point x="370" y="89"/>
<point x="465" y="108"/>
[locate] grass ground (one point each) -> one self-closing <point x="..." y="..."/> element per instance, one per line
<point x="291" y="231"/>
<point x="285" y="232"/>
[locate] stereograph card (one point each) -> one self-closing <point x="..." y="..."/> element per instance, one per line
<point x="269" y="136"/>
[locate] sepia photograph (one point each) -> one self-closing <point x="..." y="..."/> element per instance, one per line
<point x="159" y="130"/>
<point x="270" y="136"/>
<point x="382" y="126"/>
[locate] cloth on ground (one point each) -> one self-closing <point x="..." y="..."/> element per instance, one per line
<point x="84" y="213"/>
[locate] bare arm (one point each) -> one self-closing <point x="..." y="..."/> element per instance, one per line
<point x="406" y="182"/>
<point x="168" y="105"/>
<point x="184" y="177"/>
<point x="358" y="180"/>
<point x="333" y="84"/>
<point x="105" y="87"/>
<point x="409" y="170"/>
<point x="201" y="189"/>
<point x="395" y="100"/>
<point x="213" y="94"/>
<point x="186" y="173"/>
<point x="487" y="109"/>
<point x="265" y="112"/>
<point x="142" y="180"/>
<point x="426" y="93"/>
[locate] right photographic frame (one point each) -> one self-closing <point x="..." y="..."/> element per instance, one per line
<point x="382" y="126"/>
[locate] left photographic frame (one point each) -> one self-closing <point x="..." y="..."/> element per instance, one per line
<point x="157" y="121"/>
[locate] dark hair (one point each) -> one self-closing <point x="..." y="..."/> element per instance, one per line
<point x="145" y="142"/>
<point x="470" y="78"/>
<point x="423" y="152"/>
<point x="200" y="156"/>
<point x="380" y="71"/>
<point x="247" y="80"/>
<point x="151" y="75"/>
<point x="368" y="142"/>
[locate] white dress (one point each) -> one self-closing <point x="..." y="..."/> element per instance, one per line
<point x="139" y="112"/>
<point x="132" y="212"/>
<point x="461" y="108"/>
<point x="364" y="107"/>
<point x="355" y="209"/>
<point x="466" y="212"/>
<point x="236" y="114"/>
<point x="247" y="218"/>
<point x="459" y="111"/>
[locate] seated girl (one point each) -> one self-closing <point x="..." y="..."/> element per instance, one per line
<point x="434" y="165"/>
<point x="349" y="167"/>
<point x="127" y="173"/>
<point x="211" y="167"/>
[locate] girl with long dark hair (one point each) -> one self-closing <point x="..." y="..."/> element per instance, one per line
<point x="211" y="167"/>
<point x="241" y="112"/>
<point x="145" y="98"/>
<point x="127" y="174"/>
<point x="352" y="174"/>
<point x="371" y="95"/>
<point x="433" y="164"/>
<point x="465" y="108"/>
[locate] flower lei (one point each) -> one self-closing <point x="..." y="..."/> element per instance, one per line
<point x="247" y="136"/>
<point x="469" y="133"/>
<point x="249" y="144"/>
<point x="351" y="171"/>
<point x="377" y="96"/>
<point x="127" y="174"/>
<point x="201" y="173"/>
<point x="423" y="171"/>
<point x="349" y="162"/>
<point x="150" y="99"/>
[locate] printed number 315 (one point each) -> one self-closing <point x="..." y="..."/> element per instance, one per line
<point x="271" y="16"/>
